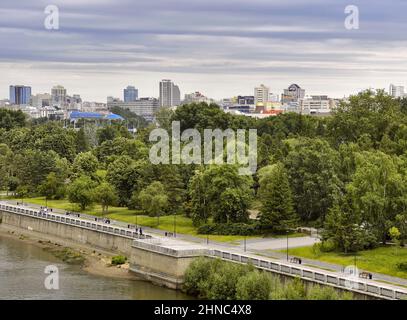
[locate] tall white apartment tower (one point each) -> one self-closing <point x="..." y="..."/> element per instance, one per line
<point x="261" y="94"/>
<point x="170" y="94"/>
<point x="396" y="91"/>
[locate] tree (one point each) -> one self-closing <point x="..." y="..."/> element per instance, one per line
<point x="154" y="200"/>
<point x="212" y="188"/>
<point x="52" y="187"/>
<point x="126" y="175"/>
<point x="377" y="190"/>
<point x="395" y="234"/>
<point x="82" y="144"/>
<point x="105" y="194"/>
<point x="234" y="204"/>
<point x="344" y="228"/>
<point x="85" y="164"/>
<point x="369" y="114"/>
<point x="401" y="224"/>
<point x="80" y="191"/>
<point x="10" y="119"/>
<point x="312" y="167"/>
<point x="277" y="211"/>
<point x="254" y="285"/>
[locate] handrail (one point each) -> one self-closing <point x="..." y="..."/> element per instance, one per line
<point x="324" y="277"/>
<point x="75" y="221"/>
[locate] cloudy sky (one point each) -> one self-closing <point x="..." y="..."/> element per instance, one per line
<point x="219" y="47"/>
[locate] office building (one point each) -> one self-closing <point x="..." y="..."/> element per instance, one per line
<point x="143" y="107"/>
<point x="261" y="94"/>
<point x="317" y="105"/>
<point x="130" y="94"/>
<point x="58" y="96"/>
<point x="294" y="93"/>
<point x="41" y="100"/>
<point x="396" y="91"/>
<point x="170" y="94"/>
<point x="20" y="95"/>
<point x="196" y="97"/>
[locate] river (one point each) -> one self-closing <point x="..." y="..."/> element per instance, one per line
<point x="22" y="276"/>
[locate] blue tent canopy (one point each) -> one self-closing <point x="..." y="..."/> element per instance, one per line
<point x="75" y="115"/>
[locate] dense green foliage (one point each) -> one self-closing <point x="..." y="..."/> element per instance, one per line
<point x="118" y="260"/>
<point x="346" y="173"/>
<point x="217" y="279"/>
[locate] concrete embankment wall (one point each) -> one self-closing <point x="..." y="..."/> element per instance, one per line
<point x="105" y="241"/>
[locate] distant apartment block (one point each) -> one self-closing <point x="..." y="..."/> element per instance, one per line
<point x="397" y="91"/>
<point x="317" y="105"/>
<point x="20" y="95"/>
<point x="170" y="95"/>
<point x="294" y="93"/>
<point x="41" y="100"/>
<point x="58" y="96"/>
<point x="130" y="94"/>
<point x="196" y="97"/>
<point x="261" y="94"/>
<point x="143" y="107"/>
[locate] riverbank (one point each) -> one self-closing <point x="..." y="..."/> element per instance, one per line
<point x="94" y="261"/>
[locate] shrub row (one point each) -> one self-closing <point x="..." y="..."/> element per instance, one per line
<point x="220" y="280"/>
<point x="232" y="229"/>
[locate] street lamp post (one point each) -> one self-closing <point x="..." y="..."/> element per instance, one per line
<point x="175" y="225"/>
<point x="287" y="245"/>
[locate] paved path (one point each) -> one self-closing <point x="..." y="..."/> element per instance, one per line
<point x="259" y="246"/>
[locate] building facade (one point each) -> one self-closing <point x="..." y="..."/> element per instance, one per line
<point x="396" y="91"/>
<point x="130" y="94"/>
<point x="143" y="107"/>
<point x="294" y="93"/>
<point x="58" y="96"/>
<point x="170" y="95"/>
<point x="261" y="94"/>
<point x="20" y="95"/>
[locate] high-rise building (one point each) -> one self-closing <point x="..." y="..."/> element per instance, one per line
<point x="317" y="105"/>
<point x="176" y="96"/>
<point x="170" y="94"/>
<point x="144" y="107"/>
<point x="20" y="95"/>
<point x="261" y="94"/>
<point x="196" y="97"/>
<point x="294" y="93"/>
<point x="130" y="94"/>
<point x="41" y="100"/>
<point x="396" y="91"/>
<point x="58" y="94"/>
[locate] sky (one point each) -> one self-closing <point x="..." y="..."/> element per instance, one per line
<point x="221" y="48"/>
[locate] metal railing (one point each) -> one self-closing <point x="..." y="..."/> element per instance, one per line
<point x="74" y="221"/>
<point x="323" y="277"/>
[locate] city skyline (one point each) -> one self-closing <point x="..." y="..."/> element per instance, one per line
<point x="222" y="49"/>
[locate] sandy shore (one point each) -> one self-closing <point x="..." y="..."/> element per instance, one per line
<point x="95" y="261"/>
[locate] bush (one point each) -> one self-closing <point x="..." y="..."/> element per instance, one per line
<point x="220" y="280"/>
<point x="324" y="246"/>
<point x="254" y="286"/>
<point x="233" y="229"/>
<point x="402" y="266"/>
<point x="196" y="275"/>
<point x="118" y="260"/>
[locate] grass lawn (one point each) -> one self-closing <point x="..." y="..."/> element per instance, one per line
<point x="184" y="224"/>
<point x="380" y="260"/>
